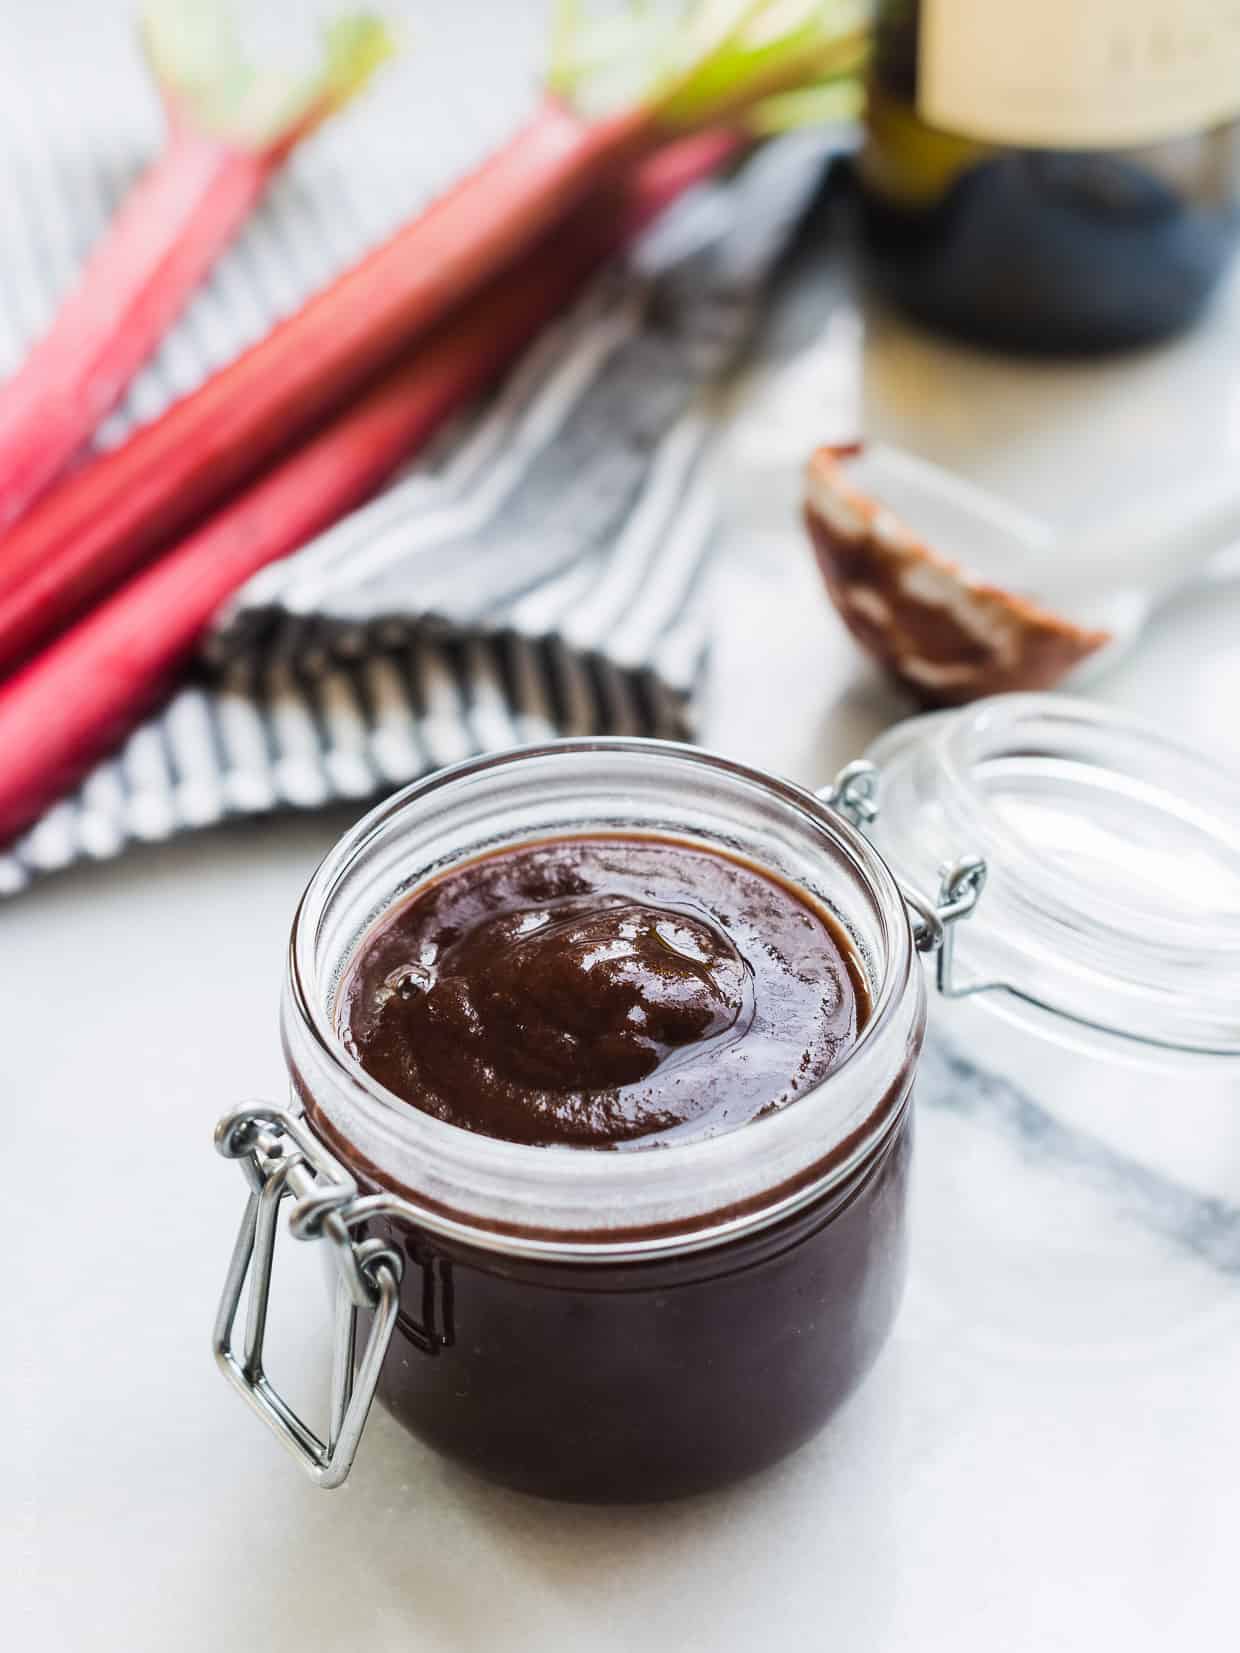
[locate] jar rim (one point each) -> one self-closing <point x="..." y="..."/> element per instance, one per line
<point x="842" y="1138"/>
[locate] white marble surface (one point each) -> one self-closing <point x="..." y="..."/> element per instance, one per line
<point x="1048" y="1453"/>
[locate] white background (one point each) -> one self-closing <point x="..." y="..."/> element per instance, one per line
<point x="990" y="1488"/>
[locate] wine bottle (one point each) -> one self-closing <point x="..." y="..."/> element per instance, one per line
<point x="1052" y="175"/>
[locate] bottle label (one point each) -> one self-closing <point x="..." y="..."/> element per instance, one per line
<point x="1087" y="74"/>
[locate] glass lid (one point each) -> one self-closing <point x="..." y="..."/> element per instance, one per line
<point x="1113" y="859"/>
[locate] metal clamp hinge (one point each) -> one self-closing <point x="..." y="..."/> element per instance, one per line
<point x="282" y="1158"/>
<point x="854" y="795"/>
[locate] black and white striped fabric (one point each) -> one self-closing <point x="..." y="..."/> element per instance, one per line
<point x="537" y="572"/>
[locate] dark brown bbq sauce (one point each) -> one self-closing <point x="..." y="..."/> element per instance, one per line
<point x="627" y="1379"/>
<point x="617" y="991"/>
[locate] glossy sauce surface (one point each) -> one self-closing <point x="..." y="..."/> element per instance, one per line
<point x="602" y="991"/>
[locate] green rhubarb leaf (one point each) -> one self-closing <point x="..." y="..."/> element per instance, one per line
<point x="705" y="62"/>
<point x="198" y="56"/>
<point x="834" y="103"/>
<point x="605" y="63"/>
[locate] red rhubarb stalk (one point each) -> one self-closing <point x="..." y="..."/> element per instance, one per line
<point x="84" y="692"/>
<point x="228" y="130"/>
<point x="96" y="527"/>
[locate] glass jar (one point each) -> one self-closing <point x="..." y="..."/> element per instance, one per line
<point x="571" y="1322"/>
<point x="610" y="1326"/>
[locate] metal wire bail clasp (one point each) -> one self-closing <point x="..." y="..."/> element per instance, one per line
<point x="280" y="1156"/>
<point x="854" y="795"/>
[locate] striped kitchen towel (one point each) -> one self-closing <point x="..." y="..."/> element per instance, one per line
<point x="537" y="572"/>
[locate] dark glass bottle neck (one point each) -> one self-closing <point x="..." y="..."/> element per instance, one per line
<point x="895" y="47"/>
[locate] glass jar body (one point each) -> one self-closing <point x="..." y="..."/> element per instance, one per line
<point x="622" y="1326"/>
<point x="629" y="1382"/>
